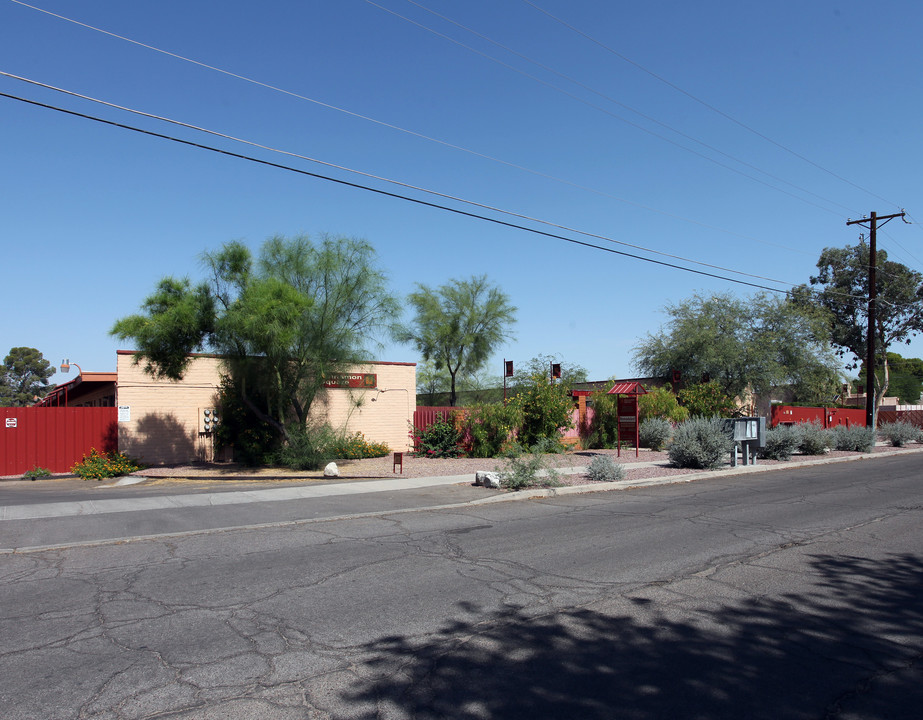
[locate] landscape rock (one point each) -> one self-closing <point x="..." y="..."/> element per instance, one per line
<point x="331" y="470"/>
<point x="487" y="479"/>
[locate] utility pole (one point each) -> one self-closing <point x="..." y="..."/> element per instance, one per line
<point x="870" y="404"/>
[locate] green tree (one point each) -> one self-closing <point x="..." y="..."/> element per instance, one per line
<point x="24" y="377"/>
<point x="660" y="402"/>
<point x="905" y="377"/>
<point x="284" y="321"/>
<point x="759" y="343"/>
<point x="707" y="400"/>
<point x="571" y="373"/>
<point x="842" y="290"/>
<point x="458" y="325"/>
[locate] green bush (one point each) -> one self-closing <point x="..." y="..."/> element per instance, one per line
<point x="36" y="472"/>
<point x="306" y="449"/>
<point x="660" y="402"/>
<point x="602" y="430"/>
<point x="544" y="410"/>
<point x="855" y="439"/>
<point x="603" y="469"/>
<point x="707" y="400"/>
<point x="527" y="469"/>
<point x="344" y="445"/>
<point x="700" y="443"/>
<point x="815" y="440"/>
<point x="898" y="433"/>
<point x="781" y="443"/>
<point x="439" y="440"/>
<point x="655" y="433"/>
<point x="488" y="430"/>
<point x="97" y="466"/>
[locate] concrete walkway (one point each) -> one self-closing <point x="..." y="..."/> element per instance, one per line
<point x="262" y="495"/>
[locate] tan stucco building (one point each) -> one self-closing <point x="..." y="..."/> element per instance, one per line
<point x="163" y="421"/>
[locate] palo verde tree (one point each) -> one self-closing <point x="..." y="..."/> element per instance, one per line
<point x="24" y="377"/>
<point x="458" y="325"/>
<point x="841" y="287"/>
<point x="284" y="321"/>
<point x="755" y="343"/>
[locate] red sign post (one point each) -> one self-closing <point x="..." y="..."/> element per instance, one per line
<point x="627" y="407"/>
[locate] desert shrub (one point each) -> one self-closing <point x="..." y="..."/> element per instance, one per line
<point x="781" y="443"/>
<point x="440" y="440"/>
<point x="488" y="430"/>
<point x="36" y="472"/>
<point x="855" y="439"/>
<point x="527" y="468"/>
<point x="707" y="400"/>
<point x="660" y="402"/>
<point x="306" y="449"/>
<point x="815" y="440"/>
<point x="97" y="466"/>
<point x="343" y="445"/>
<point x="603" y="469"/>
<point x="544" y="410"/>
<point x="655" y="433"/>
<point x="700" y="443"/>
<point x="898" y="433"/>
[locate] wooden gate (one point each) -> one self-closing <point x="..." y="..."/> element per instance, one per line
<point x="53" y="438"/>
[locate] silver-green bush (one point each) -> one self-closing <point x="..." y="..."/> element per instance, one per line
<point x="781" y="443"/>
<point x="655" y="433"/>
<point x="527" y="468"/>
<point x="700" y="443"/>
<point x="898" y="433"/>
<point x="815" y="440"/>
<point x="603" y="469"/>
<point x="854" y="439"/>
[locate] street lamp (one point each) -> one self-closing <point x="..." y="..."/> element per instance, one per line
<point x="65" y="368"/>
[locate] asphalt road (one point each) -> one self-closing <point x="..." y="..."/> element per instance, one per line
<point x="788" y="594"/>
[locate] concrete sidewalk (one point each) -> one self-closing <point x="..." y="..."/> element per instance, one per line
<point x="334" y="489"/>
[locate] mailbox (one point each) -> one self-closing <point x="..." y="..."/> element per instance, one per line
<point x="748" y="434"/>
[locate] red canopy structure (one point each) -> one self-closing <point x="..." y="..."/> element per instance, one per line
<point x="627" y="407"/>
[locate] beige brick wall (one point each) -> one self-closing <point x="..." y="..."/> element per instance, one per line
<point x="164" y="415"/>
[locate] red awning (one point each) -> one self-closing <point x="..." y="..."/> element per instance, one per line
<point x="627" y="388"/>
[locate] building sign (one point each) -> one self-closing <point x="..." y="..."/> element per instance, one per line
<point x="11" y="422"/>
<point x="124" y="413"/>
<point x="352" y="380"/>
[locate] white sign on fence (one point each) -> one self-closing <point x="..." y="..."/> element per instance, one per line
<point x="11" y="422"/>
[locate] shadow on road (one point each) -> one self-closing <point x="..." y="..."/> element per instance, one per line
<point x="849" y="643"/>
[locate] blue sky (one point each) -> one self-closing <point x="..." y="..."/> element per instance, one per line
<point x="742" y="135"/>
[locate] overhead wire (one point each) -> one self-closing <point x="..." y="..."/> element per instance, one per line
<point x="705" y="104"/>
<point x="386" y="193"/>
<point x="412" y="133"/>
<point x="609" y="98"/>
<point x="384" y="179"/>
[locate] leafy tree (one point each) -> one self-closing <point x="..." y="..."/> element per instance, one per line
<point x="660" y="402"/>
<point x="905" y="377"/>
<point x="458" y="325"/>
<point x="571" y="373"/>
<point x="284" y="321"/>
<point x="706" y="400"/>
<point x="759" y="343"/>
<point x="24" y="377"/>
<point x="842" y="282"/>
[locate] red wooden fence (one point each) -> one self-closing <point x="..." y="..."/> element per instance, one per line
<point x="53" y="438"/>
<point x="914" y="417"/>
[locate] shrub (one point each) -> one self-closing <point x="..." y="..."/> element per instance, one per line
<point x="660" y="402"/>
<point x="707" y="400"/>
<point x="439" y="440"/>
<point x="344" y="445"/>
<point x="527" y="469"/>
<point x="602" y="431"/>
<point x="856" y="438"/>
<point x="97" y="466"/>
<point x="815" y="440"/>
<point x="603" y="469"/>
<point x="781" y="443"/>
<point x="700" y="443"/>
<point x="306" y="449"/>
<point x="488" y="430"/>
<point x="655" y="433"/>
<point x="898" y="433"/>
<point x="544" y="408"/>
<point x="36" y="472"/>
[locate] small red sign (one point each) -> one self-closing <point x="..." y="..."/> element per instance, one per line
<point x="352" y="380"/>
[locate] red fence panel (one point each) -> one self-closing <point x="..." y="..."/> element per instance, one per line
<point x="424" y="416"/>
<point x="54" y="438"/>
<point x="826" y="417"/>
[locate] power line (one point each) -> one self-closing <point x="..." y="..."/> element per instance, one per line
<point x="384" y="179"/>
<point x="387" y="193"/>
<point x="723" y="114"/>
<point x="610" y="99"/>
<point x="413" y="133"/>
